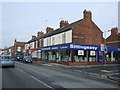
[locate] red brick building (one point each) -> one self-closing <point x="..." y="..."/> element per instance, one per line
<point x="34" y="44"/>
<point x="18" y="47"/>
<point x="72" y="43"/>
<point x="85" y="31"/>
<point x="75" y="43"/>
<point x="114" y="40"/>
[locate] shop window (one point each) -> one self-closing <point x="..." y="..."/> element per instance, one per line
<point x="53" y="55"/>
<point x="39" y="54"/>
<point x="50" y="55"/>
<point x="34" y="54"/>
<point x="92" y="56"/>
<point x="44" y="55"/>
<point x="116" y="56"/>
<point x="108" y="56"/>
<point x="64" y="55"/>
<point x="79" y="56"/>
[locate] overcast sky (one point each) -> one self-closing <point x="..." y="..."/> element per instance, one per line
<point x="21" y="20"/>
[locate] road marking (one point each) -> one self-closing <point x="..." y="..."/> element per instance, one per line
<point x="42" y="82"/>
<point x="47" y="64"/>
<point x="37" y="79"/>
<point x="21" y="70"/>
<point x="105" y="71"/>
<point x="105" y="76"/>
<point x="79" y="70"/>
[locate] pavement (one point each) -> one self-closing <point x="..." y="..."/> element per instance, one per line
<point x="109" y="71"/>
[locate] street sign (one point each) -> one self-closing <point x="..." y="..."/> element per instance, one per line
<point x="106" y="50"/>
<point x="30" y="50"/>
<point x="102" y="47"/>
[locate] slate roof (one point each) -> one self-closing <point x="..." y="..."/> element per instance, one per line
<point x="59" y="30"/>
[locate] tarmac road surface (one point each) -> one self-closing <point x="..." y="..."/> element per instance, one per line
<point x="26" y="75"/>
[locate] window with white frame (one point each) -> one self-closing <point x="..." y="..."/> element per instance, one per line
<point x="25" y="46"/>
<point x="64" y="37"/>
<point x="36" y="44"/>
<point x="40" y="42"/>
<point x="47" y="42"/>
<point x="53" y="40"/>
<point x="19" y="49"/>
<point x="33" y="44"/>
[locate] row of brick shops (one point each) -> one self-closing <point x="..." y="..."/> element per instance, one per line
<point x="77" y="43"/>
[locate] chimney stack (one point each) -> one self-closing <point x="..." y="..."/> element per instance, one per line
<point x="49" y="29"/>
<point x="33" y="36"/>
<point x="40" y="34"/>
<point x="114" y="31"/>
<point x="87" y="14"/>
<point x="63" y="23"/>
<point x="15" y="40"/>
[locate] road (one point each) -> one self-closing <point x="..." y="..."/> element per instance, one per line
<point x="26" y="75"/>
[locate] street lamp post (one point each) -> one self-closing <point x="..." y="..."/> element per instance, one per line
<point x="105" y="47"/>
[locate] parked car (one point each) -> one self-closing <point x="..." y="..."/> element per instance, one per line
<point x="19" y="56"/>
<point x="6" y="60"/>
<point x="27" y="59"/>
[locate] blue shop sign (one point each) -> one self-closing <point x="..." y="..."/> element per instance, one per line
<point x="56" y="47"/>
<point x="65" y="46"/>
<point x="109" y="48"/>
<point x="50" y="48"/>
<point x="78" y="46"/>
<point x="72" y="46"/>
<point x="84" y="47"/>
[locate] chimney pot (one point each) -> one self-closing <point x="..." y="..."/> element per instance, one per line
<point x="87" y="14"/>
<point x="114" y="31"/>
<point x="33" y="36"/>
<point x="49" y="29"/>
<point x="63" y="23"/>
<point x="40" y="34"/>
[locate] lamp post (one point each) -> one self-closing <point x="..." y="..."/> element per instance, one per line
<point x="105" y="47"/>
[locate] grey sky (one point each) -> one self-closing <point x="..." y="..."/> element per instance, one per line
<point x="21" y="20"/>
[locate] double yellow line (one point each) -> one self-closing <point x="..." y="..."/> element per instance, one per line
<point x="107" y="76"/>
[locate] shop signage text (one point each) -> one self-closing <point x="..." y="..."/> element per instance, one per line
<point x="78" y="46"/>
<point x="84" y="47"/>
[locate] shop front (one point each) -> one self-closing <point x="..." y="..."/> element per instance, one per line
<point x="113" y="54"/>
<point x="30" y="52"/>
<point x="78" y="53"/>
<point x="71" y="53"/>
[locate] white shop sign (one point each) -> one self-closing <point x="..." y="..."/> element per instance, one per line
<point x="80" y="52"/>
<point x="92" y="53"/>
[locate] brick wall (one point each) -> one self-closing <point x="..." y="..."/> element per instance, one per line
<point x="114" y="38"/>
<point x="86" y="32"/>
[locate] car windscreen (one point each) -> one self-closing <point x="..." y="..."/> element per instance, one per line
<point x="28" y="57"/>
<point x="7" y="57"/>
